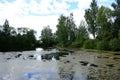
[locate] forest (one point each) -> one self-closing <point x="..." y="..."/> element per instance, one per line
<point x="103" y="23"/>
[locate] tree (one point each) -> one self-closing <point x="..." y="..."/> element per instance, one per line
<point x="31" y="39"/>
<point x="6" y="28"/>
<point x="61" y="32"/>
<point x="71" y="28"/>
<point x="82" y="31"/>
<point x="66" y="30"/>
<point x="47" y="37"/>
<point x="90" y="17"/>
<point x="81" y="35"/>
<point x="105" y="23"/>
<point x="116" y="17"/>
<point x="16" y="40"/>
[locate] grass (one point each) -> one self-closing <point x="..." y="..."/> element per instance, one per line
<point x="88" y="50"/>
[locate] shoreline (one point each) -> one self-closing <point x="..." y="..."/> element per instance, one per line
<point x="87" y="50"/>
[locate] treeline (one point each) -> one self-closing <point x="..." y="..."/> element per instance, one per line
<point x="19" y="39"/>
<point x="102" y="23"/>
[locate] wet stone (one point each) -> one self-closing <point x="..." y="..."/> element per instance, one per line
<point x="8" y="58"/>
<point x="67" y="62"/>
<point x="115" y="58"/>
<point x="110" y="65"/>
<point x="94" y="65"/>
<point x="73" y="57"/>
<point x="105" y="57"/>
<point x="31" y="56"/>
<point x="117" y="54"/>
<point x="17" y="56"/>
<point x="84" y="63"/>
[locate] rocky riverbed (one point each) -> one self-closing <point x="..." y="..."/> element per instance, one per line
<point x="54" y="64"/>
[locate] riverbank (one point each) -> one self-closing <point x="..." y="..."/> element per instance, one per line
<point x="87" y="50"/>
<point x="91" y="66"/>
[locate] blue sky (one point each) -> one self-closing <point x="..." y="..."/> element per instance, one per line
<point x="36" y="14"/>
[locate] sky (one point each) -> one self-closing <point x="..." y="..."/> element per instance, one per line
<point x="36" y="14"/>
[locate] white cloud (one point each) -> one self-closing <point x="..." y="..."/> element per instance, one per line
<point x="38" y="14"/>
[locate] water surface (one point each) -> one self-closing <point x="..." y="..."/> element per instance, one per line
<point x="59" y="65"/>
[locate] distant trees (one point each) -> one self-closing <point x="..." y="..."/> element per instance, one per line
<point x="12" y="39"/>
<point x="103" y="23"/>
<point x="66" y="30"/>
<point x="47" y="37"/>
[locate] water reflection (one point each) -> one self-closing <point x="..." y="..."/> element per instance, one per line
<point x="30" y="65"/>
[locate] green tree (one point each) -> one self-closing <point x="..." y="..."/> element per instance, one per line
<point x="116" y="17"/>
<point x="6" y="28"/>
<point x="16" y="40"/>
<point x="66" y="30"/>
<point x="47" y="37"/>
<point x="90" y="17"/>
<point x="71" y="28"/>
<point x="105" y="23"/>
<point x="31" y="39"/>
<point x="81" y="35"/>
<point x="61" y="33"/>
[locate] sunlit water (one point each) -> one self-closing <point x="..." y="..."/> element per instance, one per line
<point x="55" y="65"/>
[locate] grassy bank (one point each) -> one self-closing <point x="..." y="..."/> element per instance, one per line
<point x="87" y="50"/>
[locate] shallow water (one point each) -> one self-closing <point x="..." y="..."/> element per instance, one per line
<point x="55" y="65"/>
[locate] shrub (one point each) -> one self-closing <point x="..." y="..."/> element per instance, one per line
<point x="89" y="44"/>
<point x="78" y="43"/>
<point x="103" y="45"/>
<point x="114" y="44"/>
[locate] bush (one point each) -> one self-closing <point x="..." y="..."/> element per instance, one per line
<point x="103" y="45"/>
<point x="89" y="44"/>
<point x="114" y="44"/>
<point x="78" y="43"/>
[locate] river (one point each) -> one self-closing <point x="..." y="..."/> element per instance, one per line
<point x="54" y="64"/>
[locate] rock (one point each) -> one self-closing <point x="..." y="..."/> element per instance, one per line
<point x="99" y="57"/>
<point x="110" y="65"/>
<point x="67" y="62"/>
<point x="71" y="51"/>
<point x="117" y="54"/>
<point x="73" y="57"/>
<point x="84" y="63"/>
<point x="116" y="58"/>
<point x="106" y="57"/>
<point x="8" y="58"/>
<point x="17" y="56"/>
<point x="31" y="56"/>
<point x="94" y="65"/>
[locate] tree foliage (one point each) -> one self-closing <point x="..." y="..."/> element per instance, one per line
<point x="81" y="35"/>
<point x="116" y="17"/>
<point x="13" y="40"/>
<point x="105" y="24"/>
<point x="90" y="17"/>
<point x="47" y="37"/>
<point x="66" y="30"/>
